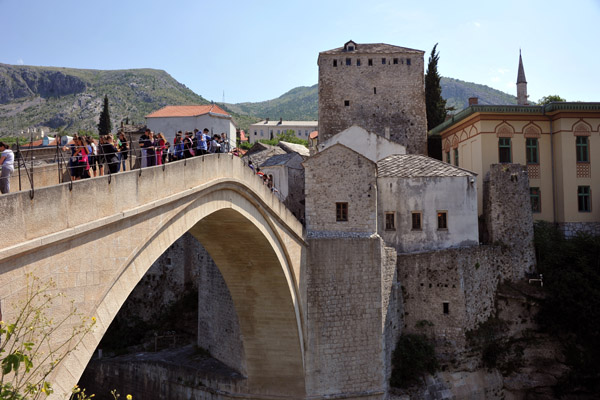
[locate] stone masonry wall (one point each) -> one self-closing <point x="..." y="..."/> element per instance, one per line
<point x="185" y="266"/>
<point x="387" y="99"/>
<point x="507" y="215"/>
<point x="466" y="278"/>
<point x="339" y="174"/>
<point x="344" y="317"/>
<point x="570" y="229"/>
<point x="295" y="199"/>
<point x="392" y="308"/>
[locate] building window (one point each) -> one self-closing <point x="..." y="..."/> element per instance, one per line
<point x="442" y="217"/>
<point x="254" y="133"/>
<point x="504" y="153"/>
<point x="395" y="61"/>
<point x="358" y="62"/>
<point x="348" y="61"/>
<point x="448" y="157"/>
<point x="582" y="148"/>
<point x="341" y="212"/>
<point x="278" y="131"/>
<point x="335" y="63"/>
<point x="408" y="61"/>
<point x="374" y="90"/>
<point x="416" y="221"/>
<point x="350" y="48"/>
<point x="261" y="132"/>
<point x="306" y="132"/>
<point x="536" y="200"/>
<point x="446" y="307"/>
<point x="370" y="62"/>
<point x="532" y="151"/>
<point x="456" y="156"/>
<point x="390" y="221"/>
<point x="584" y="202"/>
<point x="383" y="61"/>
<point x="346" y="103"/>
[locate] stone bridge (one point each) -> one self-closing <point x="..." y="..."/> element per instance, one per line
<point x="98" y="237"/>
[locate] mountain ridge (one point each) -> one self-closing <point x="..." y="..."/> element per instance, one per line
<point x="70" y="99"/>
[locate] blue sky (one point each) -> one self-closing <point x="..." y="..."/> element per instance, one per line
<point x="258" y="50"/>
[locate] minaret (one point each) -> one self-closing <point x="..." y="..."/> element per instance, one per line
<point x="521" y="84"/>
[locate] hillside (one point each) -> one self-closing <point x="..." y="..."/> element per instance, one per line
<point x="457" y="94"/>
<point x="71" y="99"/>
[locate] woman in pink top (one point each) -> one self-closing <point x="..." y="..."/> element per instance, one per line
<point x="159" y="145"/>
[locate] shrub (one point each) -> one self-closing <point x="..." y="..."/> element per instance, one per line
<point x="413" y="357"/>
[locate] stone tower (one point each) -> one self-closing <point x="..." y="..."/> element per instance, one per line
<point x="521" y="84"/>
<point x="378" y="87"/>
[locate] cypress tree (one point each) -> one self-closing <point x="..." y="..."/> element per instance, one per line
<point x="104" y="125"/>
<point x="434" y="103"/>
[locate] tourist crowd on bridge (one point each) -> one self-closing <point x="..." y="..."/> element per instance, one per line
<point x="109" y="154"/>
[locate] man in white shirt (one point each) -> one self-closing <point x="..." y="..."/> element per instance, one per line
<point x="7" y="162"/>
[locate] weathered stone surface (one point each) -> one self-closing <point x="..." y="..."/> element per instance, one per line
<point x="387" y="97"/>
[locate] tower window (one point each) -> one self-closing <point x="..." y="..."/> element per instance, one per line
<point x="335" y="63"/>
<point x="416" y="221"/>
<point x="374" y="90"/>
<point x="348" y="61"/>
<point x="395" y="61"/>
<point x="408" y="61"/>
<point x="346" y="103"/>
<point x="390" y="221"/>
<point x="456" y="157"/>
<point x="370" y="62"/>
<point x="341" y="212"/>
<point x="442" y="217"/>
<point x="446" y="307"/>
<point x="383" y="61"/>
<point x="358" y="62"/>
<point x="448" y="157"/>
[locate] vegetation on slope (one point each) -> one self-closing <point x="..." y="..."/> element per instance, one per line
<point x="71" y="99"/>
<point x="571" y="311"/>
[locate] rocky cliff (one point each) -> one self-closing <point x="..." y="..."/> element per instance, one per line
<point x="71" y="99"/>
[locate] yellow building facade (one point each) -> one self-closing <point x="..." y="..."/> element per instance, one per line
<point x="559" y="143"/>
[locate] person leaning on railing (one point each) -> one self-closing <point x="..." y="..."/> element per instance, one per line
<point x="111" y="154"/>
<point x="123" y="150"/>
<point x="7" y="162"/>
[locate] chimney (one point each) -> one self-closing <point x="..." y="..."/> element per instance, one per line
<point x="267" y="121"/>
<point x="280" y="121"/>
<point x="473" y="101"/>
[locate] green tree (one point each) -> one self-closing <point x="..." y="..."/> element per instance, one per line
<point x="413" y="358"/>
<point x="549" y="99"/>
<point x="104" y="126"/>
<point x="27" y="355"/>
<point x="287" y="136"/>
<point x="435" y="104"/>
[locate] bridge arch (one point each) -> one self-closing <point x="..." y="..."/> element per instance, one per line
<point x="257" y="253"/>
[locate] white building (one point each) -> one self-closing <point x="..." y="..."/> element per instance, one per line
<point x="369" y="144"/>
<point x="425" y="204"/>
<point x="270" y="129"/>
<point x="171" y="119"/>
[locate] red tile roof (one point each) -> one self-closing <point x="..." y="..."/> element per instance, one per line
<point x="187" y="111"/>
